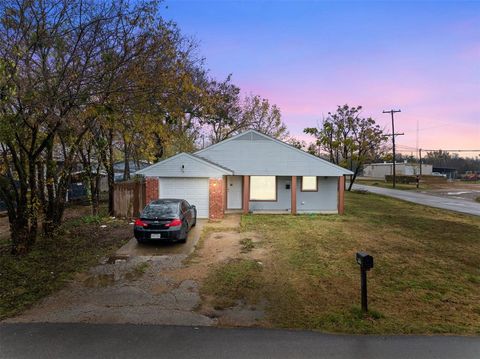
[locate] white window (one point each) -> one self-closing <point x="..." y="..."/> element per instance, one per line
<point x="263" y="188"/>
<point x="309" y="184"/>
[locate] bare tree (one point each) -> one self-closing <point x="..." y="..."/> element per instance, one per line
<point x="349" y="139"/>
<point x="258" y="114"/>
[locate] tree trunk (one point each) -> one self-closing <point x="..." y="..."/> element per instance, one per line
<point x="94" y="182"/>
<point x="90" y="179"/>
<point x="20" y="235"/>
<point x="96" y="195"/>
<point x="353" y="178"/>
<point x="33" y="202"/>
<point x="57" y="188"/>
<point x="41" y="183"/>
<point x="21" y="227"/>
<point x="54" y="215"/>
<point x="51" y="179"/>
<point x="110" y="174"/>
<point x="126" y="151"/>
<point x="111" y="189"/>
<point x="19" y="191"/>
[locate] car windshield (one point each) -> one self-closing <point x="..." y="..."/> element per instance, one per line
<point x="161" y="210"/>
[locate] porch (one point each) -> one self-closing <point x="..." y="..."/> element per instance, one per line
<point x="283" y="194"/>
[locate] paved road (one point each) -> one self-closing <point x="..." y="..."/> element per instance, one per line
<point x="147" y="341"/>
<point x="452" y="204"/>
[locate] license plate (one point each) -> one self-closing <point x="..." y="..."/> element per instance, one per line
<point x="155" y="236"/>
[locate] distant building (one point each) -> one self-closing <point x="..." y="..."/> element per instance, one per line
<point x="79" y="188"/>
<point x="450" y="173"/>
<point x="380" y="170"/>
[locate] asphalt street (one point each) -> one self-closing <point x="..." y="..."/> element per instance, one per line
<point x="150" y="341"/>
<point x="452" y="204"/>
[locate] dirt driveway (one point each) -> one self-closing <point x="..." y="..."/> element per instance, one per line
<point x="150" y="284"/>
<point x="131" y="287"/>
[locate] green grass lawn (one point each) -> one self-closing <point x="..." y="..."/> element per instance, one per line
<point x="426" y="277"/>
<point x="79" y="244"/>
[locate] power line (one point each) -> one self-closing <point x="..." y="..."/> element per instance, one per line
<point x="406" y="147"/>
<point x="429" y="127"/>
<point x="439" y="149"/>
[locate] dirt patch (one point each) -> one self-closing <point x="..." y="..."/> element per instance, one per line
<point x="218" y="247"/>
<point x="76" y="211"/>
<point x="468" y="191"/>
<point x="215" y="248"/>
<point x="101" y="280"/>
<point x="225" y="243"/>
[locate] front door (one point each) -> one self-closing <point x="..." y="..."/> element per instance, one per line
<point x="234" y="192"/>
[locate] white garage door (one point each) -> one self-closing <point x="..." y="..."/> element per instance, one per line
<point x="193" y="190"/>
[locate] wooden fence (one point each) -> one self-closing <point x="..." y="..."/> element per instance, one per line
<point x="129" y="198"/>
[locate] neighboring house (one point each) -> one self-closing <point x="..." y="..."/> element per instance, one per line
<point x="78" y="186"/>
<point x="380" y="170"/>
<point x="119" y="168"/>
<point x="250" y="172"/>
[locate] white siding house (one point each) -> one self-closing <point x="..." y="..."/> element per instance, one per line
<point x="250" y="172"/>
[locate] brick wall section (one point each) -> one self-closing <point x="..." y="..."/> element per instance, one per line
<point x="151" y="190"/>
<point x="216" y="198"/>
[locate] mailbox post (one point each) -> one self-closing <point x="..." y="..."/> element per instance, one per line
<point x="366" y="263"/>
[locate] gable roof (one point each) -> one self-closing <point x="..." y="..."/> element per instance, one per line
<point x="185" y="165"/>
<point x="208" y="161"/>
<point x="254" y="153"/>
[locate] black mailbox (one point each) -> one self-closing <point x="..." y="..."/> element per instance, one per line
<point x="365" y="260"/>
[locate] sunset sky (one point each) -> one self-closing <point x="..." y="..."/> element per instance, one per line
<point x="310" y="56"/>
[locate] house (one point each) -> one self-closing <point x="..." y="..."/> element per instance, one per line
<point x="380" y="170"/>
<point x="134" y="166"/>
<point x="79" y="188"/>
<point x="250" y="172"/>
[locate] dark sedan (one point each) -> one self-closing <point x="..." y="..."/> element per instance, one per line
<point x="165" y="220"/>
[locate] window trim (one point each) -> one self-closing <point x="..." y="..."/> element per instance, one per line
<point x="310" y="190"/>
<point x="261" y="200"/>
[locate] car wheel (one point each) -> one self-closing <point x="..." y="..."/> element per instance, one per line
<point x="184" y="239"/>
<point x="140" y="241"/>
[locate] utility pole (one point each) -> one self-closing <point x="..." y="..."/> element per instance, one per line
<point x="420" y="155"/>
<point x="393" y="142"/>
